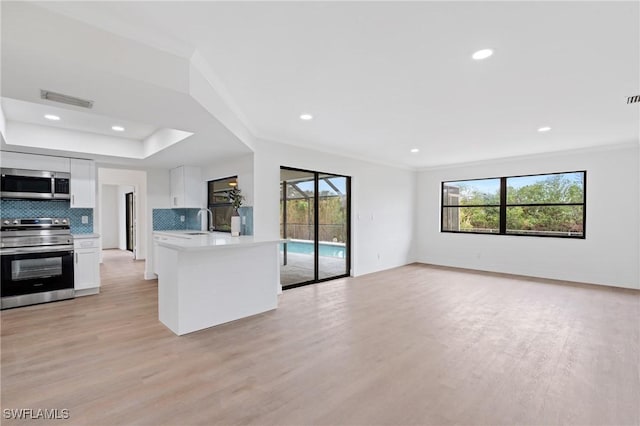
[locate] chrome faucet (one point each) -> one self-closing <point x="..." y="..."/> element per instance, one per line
<point x="210" y="213"/>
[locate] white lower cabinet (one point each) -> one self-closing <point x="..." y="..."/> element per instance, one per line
<point x="86" y="266"/>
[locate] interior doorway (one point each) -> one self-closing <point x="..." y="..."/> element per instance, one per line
<point x="315" y="219"/>
<point x="118" y="218"/>
<point x="131" y="236"/>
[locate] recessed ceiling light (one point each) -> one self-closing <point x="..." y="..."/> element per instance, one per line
<point x="414" y="150"/>
<point x="544" y="129"/>
<point x="482" y="54"/>
<point x="117" y="128"/>
<point x="52" y="117"/>
<point x="306" y="117"/>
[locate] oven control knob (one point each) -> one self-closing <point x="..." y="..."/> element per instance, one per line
<point x="56" y="221"/>
<point x="64" y="221"/>
<point x="15" y="222"/>
<point x="6" y="222"/>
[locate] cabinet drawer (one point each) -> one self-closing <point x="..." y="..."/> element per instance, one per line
<point x="84" y="243"/>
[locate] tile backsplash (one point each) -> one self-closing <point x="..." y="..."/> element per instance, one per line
<point x="48" y="208"/>
<point x="169" y="219"/>
<point x="246" y="220"/>
<point x="163" y="219"/>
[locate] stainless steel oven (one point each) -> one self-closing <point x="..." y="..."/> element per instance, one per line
<point x="34" y="184"/>
<point x="36" y="261"/>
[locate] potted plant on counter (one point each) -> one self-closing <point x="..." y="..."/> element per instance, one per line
<point x="236" y="198"/>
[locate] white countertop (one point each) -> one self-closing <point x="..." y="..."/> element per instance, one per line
<point x="201" y="240"/>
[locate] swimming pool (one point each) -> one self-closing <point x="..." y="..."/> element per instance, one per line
<point x="324" y="249"/>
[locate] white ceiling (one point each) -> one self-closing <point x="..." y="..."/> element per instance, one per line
<point x="126" y="80"/>
<point x="381" y="78"/>
<point x="29" y="112"/>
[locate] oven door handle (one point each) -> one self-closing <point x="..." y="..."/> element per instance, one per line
<point x="24" y="250"/>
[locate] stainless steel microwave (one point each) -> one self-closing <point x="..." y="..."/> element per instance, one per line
<point x="34" y="184"/>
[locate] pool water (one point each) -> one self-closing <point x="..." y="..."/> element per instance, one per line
<point x="325" y="250"/>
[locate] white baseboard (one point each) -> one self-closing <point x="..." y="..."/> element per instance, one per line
<point x="150" y="276"/>
<point x="87" y="291"/>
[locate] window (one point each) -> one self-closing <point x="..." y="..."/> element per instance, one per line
<point x="471" y="206"/>
<point x="219" y="202"/>
<point x="549" y="205"/>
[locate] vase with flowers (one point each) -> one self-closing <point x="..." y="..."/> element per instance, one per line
<point x="236" y="198"/>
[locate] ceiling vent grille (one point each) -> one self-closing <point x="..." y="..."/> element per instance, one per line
<point x="65" y="99"/>
<point x="633" y="99"/>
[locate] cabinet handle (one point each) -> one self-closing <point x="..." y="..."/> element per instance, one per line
<point x="73" y="200"/>
<point x="175" y="201"/>
<point x="76" y="258"/>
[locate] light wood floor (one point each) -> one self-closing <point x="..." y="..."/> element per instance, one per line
<point x="414" y="345"/>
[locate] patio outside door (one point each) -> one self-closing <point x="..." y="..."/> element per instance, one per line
<point x="315" y="219"/>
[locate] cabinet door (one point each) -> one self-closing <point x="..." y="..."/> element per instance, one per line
<point x="83" y="183"/>
<point x="192" y="188"/>
<point x="186" y="187"/>
<point x="86" y="268"/>
<point x="177" y="187"/>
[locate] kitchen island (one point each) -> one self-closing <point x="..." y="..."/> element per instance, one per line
<point x="209" y="278"/>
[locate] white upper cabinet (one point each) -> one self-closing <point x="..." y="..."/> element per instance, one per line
<point x="83" y="183"/>
<point x="18" y="160"/>
<point x="186" y="187"/>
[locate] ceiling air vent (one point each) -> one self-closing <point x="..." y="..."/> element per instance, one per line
<point x="65" y="99"/>
<point x="633" y="99"/>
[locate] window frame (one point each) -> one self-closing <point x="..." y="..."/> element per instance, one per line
<point x="212" y="206"/>
<point x="502" y="223"/>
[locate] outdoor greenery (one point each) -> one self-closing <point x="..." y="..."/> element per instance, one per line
<point x="332" y="217"/>
<point x="556" y="191"/>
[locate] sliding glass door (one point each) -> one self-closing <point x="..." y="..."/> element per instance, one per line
<point x="333" y="236"/>
<point x="314" y="219"/>
<point x="297" y="223"/>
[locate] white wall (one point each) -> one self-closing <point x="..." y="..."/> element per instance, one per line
<point x="610" y="253"/>
<point x="113" y="226"/>
<point x="383" y="203"/>
<point x="109" y="228"/>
